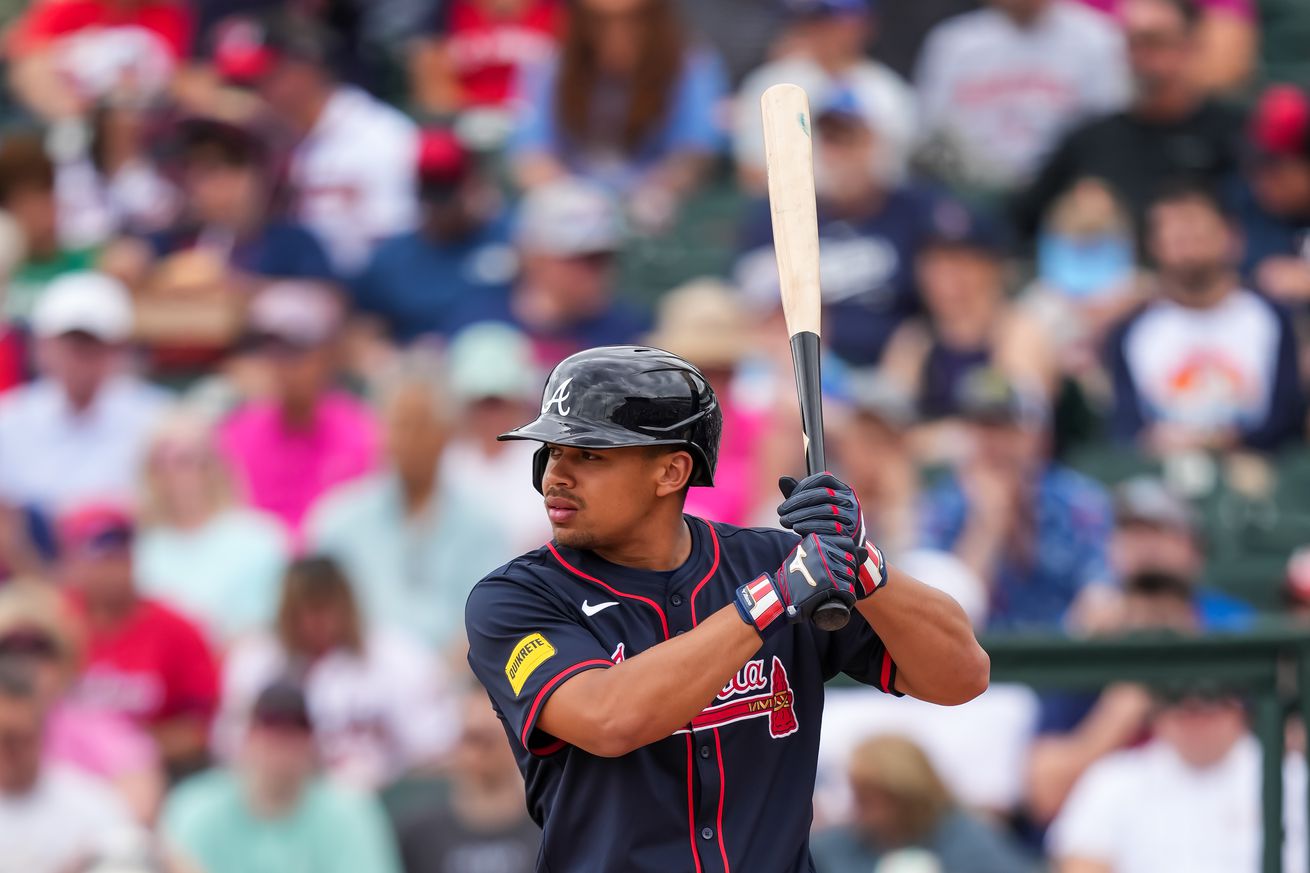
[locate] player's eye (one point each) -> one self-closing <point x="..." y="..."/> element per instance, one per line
<point x="554" y="453"/>
<point x="589" y="456"/>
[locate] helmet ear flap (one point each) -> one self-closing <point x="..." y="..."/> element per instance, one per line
<point x="539" y="458"/>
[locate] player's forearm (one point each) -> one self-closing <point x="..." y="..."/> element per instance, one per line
<point x="937" y="657"/>
<point x="649" y="696"/>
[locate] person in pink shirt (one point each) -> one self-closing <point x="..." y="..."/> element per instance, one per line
<point x="304" y="438"/>
<point x="36" y="632"/>
<point x="704" y="323"/>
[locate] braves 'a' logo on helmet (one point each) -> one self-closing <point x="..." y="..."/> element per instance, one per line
<point x="559" y="398"/>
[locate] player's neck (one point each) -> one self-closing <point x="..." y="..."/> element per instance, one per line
<point x="657" y="545"/>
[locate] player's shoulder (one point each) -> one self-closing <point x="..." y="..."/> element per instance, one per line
<point x="753" y="542"/>
<point x="530" y="575"/>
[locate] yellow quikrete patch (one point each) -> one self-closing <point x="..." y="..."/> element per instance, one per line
<point x="529" y="653"/>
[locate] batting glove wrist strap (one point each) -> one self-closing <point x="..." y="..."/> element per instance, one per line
<point x="871" y="574"/>
<point x="758" y="603"/>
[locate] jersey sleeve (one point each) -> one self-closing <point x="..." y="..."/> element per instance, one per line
<point x="858" y="652"/>
<point x="522" y="648"/>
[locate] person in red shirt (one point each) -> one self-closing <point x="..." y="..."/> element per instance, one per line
<point x="142" y="659"/>
<point x="68" y="54"/>
<point x="477" y="47"/>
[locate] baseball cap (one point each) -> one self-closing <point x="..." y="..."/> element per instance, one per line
<point x="297" y="313"/>
<point x="1280" y="125"/>
<point x="96" y="529"/>
<point x="85" y="302"/>
<point x="872" y="393"/>
<point x="492" y="360"/>
<point x="569" y="218"/>
<point x="954" y="225"/>
<point x="822" y="8"/>
<point x="1147" y="500"/>
<point x="986" y="396"/>
<point x="443" y="161"/>
<point x="246" y="48"/>
<point x="703" y="322"/>
<point x="282" y="705"/>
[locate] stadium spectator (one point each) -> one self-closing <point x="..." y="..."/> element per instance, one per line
<point x="998" y="88"/>
<point x="1208" y="364"/>
<point x="1036" y="532"/>
<point x="475" y="51"/>
<point x="67" y="54"/>
<point x="968" y="324"/>
<point x="52" y="816"/>
<point x="1187" y="800"/>
<point x="481" y="823"/>
<point x="1157" y="533"/>
<point x="142" y="660"/>
<point x="705" y="323"/>
<point x="230" y="190"/>
<point x="79" y="432"/>
<point x="1228" y="37"/>
<point x="873" y="453"/>
<point x="743" y="32"/>
<point x="350" y="190"/>
<point x="402" y="534"/>
<point x="901" y="803"/>
<point x="568" y="236"/>
<point x="198" y="549"/>
<point x="36" y="634"/>
<point x="289" y="449"/>
<point x="872" y="226"/>
<point x="630" y="104"/>
<point x="27" y="192"/>
<point x="825" y="43"/>
<point x="1275" y="213"/>
<point x="495" y="386"/>
<point x="1172" y="129"/>
<point x="457" y="267"/>
<point x="1296" y="586"/>
<point x="271" y="811"/>
<point x="376" y="695"/>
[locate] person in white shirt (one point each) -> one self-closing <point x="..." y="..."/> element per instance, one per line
<point x="79" y="432"/>
<point x="379" y="699"/>
<point x="352" y="174"/>
<point x="998" y="86"/>
<point x="825" y="55"/>
<point x="52" y="817"/>
<point x="1187" y="802"/>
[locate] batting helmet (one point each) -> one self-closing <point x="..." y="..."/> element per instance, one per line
<point x="617" y="396"/>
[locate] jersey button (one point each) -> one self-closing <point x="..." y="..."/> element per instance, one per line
<point x="676" y="600"/>
<point x="707" y="833"/>
<point x="704" y="751"/>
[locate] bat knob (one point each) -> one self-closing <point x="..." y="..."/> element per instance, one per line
<point x="831" y="616"/>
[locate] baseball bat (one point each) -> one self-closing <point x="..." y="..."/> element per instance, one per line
<point x="789" y="159"/>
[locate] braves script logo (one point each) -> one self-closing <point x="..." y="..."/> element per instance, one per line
<point x="775" y="701"/>
<point x="559" y="398"/>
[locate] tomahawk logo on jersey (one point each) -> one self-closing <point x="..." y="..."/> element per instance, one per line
<point x="736" y="782"/>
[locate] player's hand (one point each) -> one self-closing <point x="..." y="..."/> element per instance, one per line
<point x="818" y="568"/>
<point x="823" y="504"/>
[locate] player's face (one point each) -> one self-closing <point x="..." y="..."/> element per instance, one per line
<point x="600" y="497"/>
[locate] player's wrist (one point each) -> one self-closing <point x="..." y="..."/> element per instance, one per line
<point x="759" y="603"/>
<point x="871" y="574"/>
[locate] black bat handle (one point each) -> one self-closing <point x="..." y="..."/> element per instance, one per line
<point x="833" y="614"/>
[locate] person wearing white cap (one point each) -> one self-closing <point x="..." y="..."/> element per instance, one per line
<point x="569" y="233"/>
<point x="78" y="432"/>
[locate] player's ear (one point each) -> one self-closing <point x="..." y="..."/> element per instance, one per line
<point x="672" y="472"/>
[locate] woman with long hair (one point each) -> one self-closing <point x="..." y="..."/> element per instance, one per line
<point x="629" y="103"/>
<point x="198" y="548"/>
<point x="378" y="699"/>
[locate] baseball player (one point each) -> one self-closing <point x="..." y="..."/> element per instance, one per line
<point x="658" y="674"/>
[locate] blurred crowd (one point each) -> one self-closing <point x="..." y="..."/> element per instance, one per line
<point x="275" y="273"/>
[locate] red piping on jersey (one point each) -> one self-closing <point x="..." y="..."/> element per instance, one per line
<point x="886" y="671"/>
<point x="718" y="748"/>
<point x="545" y="689"/>
<point x="714" y="568"/>
<point x="664" y="622"/>
<point x="691" y="806"/>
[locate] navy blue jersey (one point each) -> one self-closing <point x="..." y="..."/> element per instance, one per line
<point x="730" y="791"/>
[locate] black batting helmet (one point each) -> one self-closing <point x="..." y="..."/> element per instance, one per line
<point x="617" y="396"/>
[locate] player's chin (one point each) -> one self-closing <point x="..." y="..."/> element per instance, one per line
<point x="573" y="537"/>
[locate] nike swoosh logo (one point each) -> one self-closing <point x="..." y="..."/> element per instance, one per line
<point x="589" y="610"/>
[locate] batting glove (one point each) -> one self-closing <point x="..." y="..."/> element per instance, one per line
<point x="817" y="569"/>
<point x="823" y="504"/>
